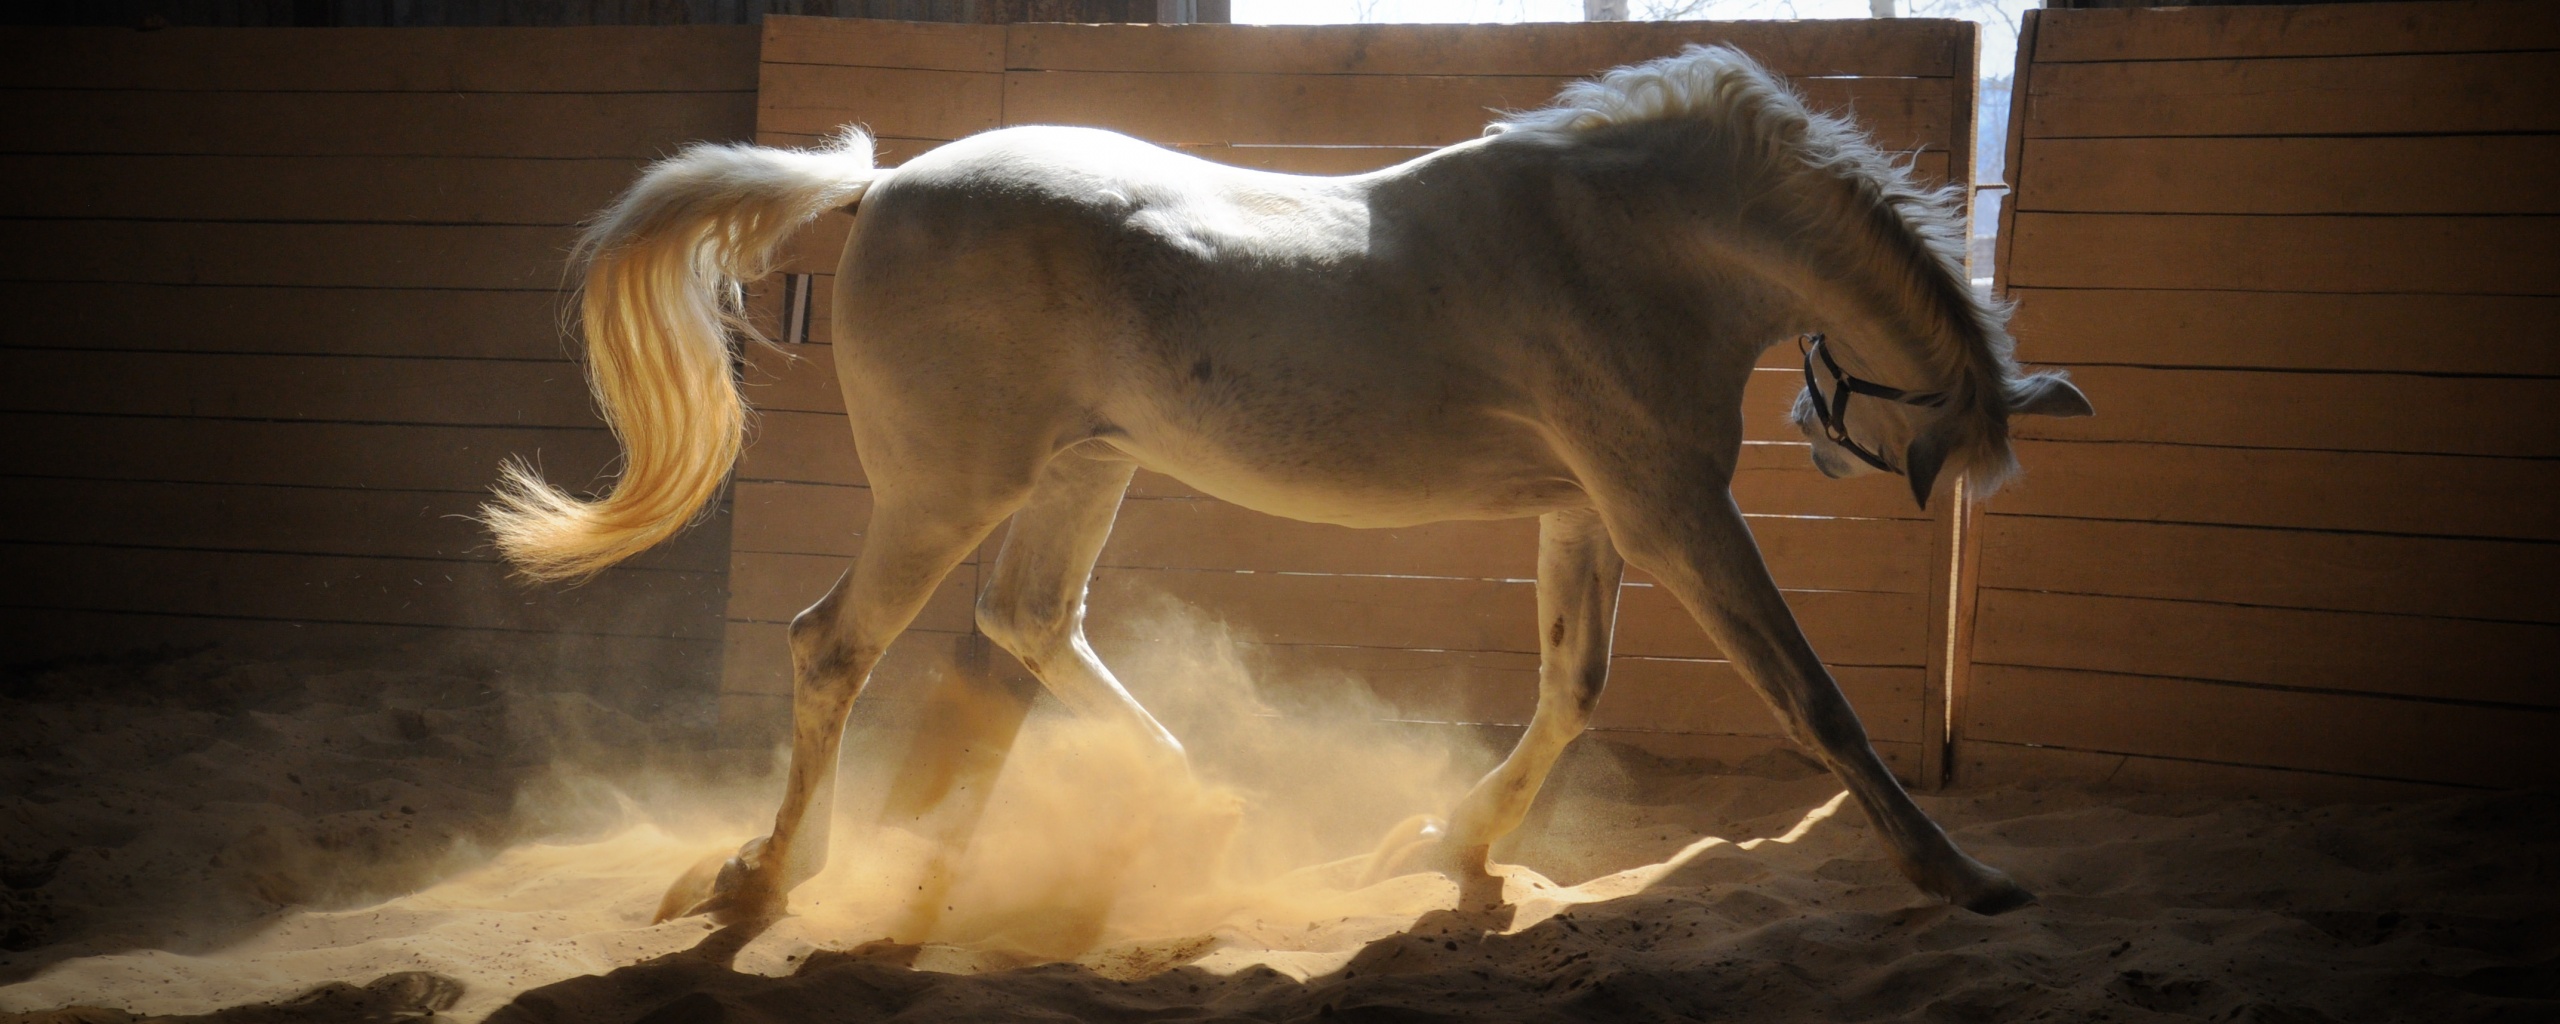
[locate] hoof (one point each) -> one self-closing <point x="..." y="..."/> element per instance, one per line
<point x="1413" y="845"/>
<point x="692" y="889"/>
<point x="2000" y="899"/>
<point x="726" y="888"/>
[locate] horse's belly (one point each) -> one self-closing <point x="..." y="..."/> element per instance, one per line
<point x="1375" y="481"/>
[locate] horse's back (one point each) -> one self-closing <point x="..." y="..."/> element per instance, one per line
<point x="1246" y="331"/>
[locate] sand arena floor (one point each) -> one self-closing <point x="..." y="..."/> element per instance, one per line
<point x="305" y="842"/>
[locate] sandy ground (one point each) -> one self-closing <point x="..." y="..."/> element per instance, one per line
<point x="307" y="842"/>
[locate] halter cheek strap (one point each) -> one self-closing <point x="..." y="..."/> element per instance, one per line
<point x="1834" y="413"/>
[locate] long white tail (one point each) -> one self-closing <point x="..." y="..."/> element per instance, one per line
<point x="663" y="269"/>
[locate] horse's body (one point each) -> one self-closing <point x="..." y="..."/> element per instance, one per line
<point x="1556" y="321"/>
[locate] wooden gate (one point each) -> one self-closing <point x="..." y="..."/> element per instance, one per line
<point x="2304" y="260"/>
<point x="1440" y="619"/>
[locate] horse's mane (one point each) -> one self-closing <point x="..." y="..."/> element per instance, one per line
<point x="1777" y="139"/>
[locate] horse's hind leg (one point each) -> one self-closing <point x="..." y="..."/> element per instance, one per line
<point x="1699" y="547"/>
<point x="1578" y="575"/>
<point x="1032" y="602"/>
<point x="834" y="645"/>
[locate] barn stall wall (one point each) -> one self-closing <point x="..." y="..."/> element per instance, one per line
<point x="1438" y="619"/>
<point x="281" y="300"/>
<point x="2306" y="263"/>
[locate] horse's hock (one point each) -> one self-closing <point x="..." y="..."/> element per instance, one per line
<point x="2301" y="258"/>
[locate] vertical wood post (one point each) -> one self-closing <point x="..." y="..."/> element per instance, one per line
<point x="1950" y="599"/>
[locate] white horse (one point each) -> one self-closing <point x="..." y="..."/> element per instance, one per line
<point x="1555" y="320"/>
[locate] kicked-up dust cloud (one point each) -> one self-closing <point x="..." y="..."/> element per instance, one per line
<point x="1091" y="839"/>
<point x="1085" y="842"/>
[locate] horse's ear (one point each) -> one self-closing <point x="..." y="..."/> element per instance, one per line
<point x="1922" y="460"/>
<point x="2048" y="394"/>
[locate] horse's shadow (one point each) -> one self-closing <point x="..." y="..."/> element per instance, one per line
<point x="1452" y="964"/>
<point x="1412" y="974"/>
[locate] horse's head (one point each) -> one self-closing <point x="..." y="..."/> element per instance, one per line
<point x="1860" y="426"/>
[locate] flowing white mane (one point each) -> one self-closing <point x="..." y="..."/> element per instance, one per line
<point x="1777" y="133"/>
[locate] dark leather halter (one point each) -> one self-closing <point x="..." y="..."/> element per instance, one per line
<point x="1834" y="414"/>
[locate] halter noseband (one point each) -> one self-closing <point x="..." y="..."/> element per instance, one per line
<point x="1834" y="414"/>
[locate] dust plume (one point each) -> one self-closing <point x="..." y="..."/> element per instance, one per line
<point x="1090" y="840"/>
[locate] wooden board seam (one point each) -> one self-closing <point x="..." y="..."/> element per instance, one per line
<point x="548" y="631"/>
<point x="2276" y="607"/>
<point x="293" y="421"/>
<point x="2323" y="530"/>
<point x="2229" y="764"/>
<point x="2311" y="691"/>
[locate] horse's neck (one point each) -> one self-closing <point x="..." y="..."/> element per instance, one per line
<point x="1867" y="281"/>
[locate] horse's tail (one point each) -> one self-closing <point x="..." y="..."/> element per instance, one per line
<point x="663" y="270"/>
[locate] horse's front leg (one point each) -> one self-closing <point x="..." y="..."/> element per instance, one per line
<point x="1578" y="576"/>
<point x="834" y="645"/>
<point x="1702" y="550"/>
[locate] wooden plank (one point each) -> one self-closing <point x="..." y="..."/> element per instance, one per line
<point x="2470" y="26"/>
<point x="1904" y="48"/>
<point x="293" y="520"/>
<point x="2323" y="411"/>
<point x="585" y="59"/>
<point x="2364" y="491"/>
<point x="756" y="661"/>
<point x="351" y="321"/>
<point x="379" y="591"/>
<point x="655" y="668"/>
<point x="1711" y="697"/>
<point x="2480" y="579"/>
<point x="773" y="588"/>
<point x="641" y="126"/>
<point x="799" y="519"/>
<point x="2483" y="334"/>
<point x="817" y="249"/>
<point x="2440" y="94"/>
<point x="886" y="150"/>
<point x="2374" y="736"/>
<point x="1320" y="160"/>
<point x="2460" y="174"/>
<point x="2451" y="255"/>
<point x="800" y="447"/>
<point x="362" y="189"/>
<point x="1994" y="764"/>
<point x="792" y="378"/>
<point x="2403" y="655"/>
<point x="363" y="389"/>
<point x="1497" y="688"/>
<point x="1476" y="615"/>
<point x="865" y="42"/>
<point x="1384" y="110"/>
<point x="818" y="99"/>
<point x="399" y="456"/>
<point x="323" y="255"/>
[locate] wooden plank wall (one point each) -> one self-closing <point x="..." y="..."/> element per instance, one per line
<point x="2306" y="263"/>
<point x="1439" y="619"/>
<point x="281" y="300"/>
